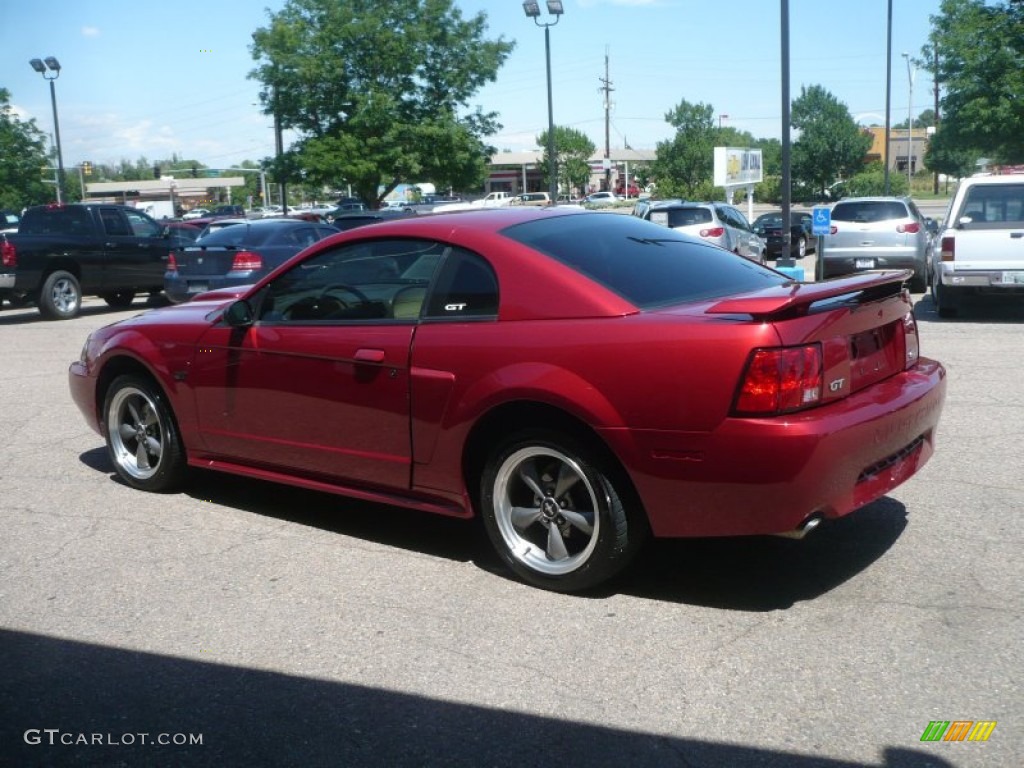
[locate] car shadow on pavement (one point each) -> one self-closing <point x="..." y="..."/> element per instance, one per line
<point x="29" y="314"/>
<point x="974" y="309"/>
<point x="83" y="704"/>
<point x="765" y="573"/>
<point x="748" y="573"/>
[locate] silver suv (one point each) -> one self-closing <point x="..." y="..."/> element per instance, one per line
<point x="718" y="223"/>
<point x="878" y="233"/>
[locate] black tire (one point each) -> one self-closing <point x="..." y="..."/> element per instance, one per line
<point x="555" y="512"/>
<point x="944" y="304"/>
<point x="119" y="300"/>
<point x="801" y="247"/>
<point x="60" y="297"/>
<point x="142" y="436"/>
<point x="918" y="282"/>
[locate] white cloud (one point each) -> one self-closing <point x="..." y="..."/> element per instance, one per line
<point x="90" y="32"/>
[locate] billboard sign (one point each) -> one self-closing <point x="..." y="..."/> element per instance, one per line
<point x="736" y="166"/>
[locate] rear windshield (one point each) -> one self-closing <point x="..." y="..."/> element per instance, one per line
<point x="869" y="211"/>
<point x="237" y="235"/>
<point x="994" y="203"/>
<point x="680" y="217"/>
<point x="644" y="263"/>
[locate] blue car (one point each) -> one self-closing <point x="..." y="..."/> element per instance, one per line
<point x="237" y="255"/>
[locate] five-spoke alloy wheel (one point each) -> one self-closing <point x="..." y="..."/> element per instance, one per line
<point x="142" y="438"/>
<point x="553" y="513"/>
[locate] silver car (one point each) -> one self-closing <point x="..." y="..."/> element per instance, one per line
<point x="878" y="233"/>
<point x="718" y="223"/>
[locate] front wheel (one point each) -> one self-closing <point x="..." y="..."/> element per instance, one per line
<point x="142" y="437"/>
<point x="555" y="513"/>
<point x="60" y="297"/>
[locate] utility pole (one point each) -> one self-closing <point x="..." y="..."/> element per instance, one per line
<point x="606" y="86"/>
<point x="935" y="81"/>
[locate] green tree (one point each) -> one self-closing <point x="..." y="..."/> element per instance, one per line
<point x="684" y="165"/>
<point x="980" y="68"/>
<point x="22" y="159"/>
<point x="379" y="91"/>
<point x="946" y="155"/>
<point x="831" y="146"/>
<point x="925" y="120"/>
<point x="573" y="149"/>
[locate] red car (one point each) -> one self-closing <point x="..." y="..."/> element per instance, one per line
<point x="576" y="379"/>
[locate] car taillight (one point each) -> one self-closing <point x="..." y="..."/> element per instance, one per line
<point x="245" y="261"/>
<point x="948" y="252"/>
<point x="8" y="256"/>
<point x="909" y="229"/>
<point x="780" y="380"/>
<point x="713" y="232"/>
<point x="172" y="263"/>
<point x="911" y="341"/>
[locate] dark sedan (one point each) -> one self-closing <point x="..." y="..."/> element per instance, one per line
<point x="237" y="255"/>
<point x="769" y="226"/>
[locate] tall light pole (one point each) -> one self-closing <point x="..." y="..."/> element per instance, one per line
<point x="41" y="66"/>
<point x="910" y="123"/>
<point x="532" y="9"/>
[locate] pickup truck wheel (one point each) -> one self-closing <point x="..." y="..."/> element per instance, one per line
<point x="61" y="296"/>
<point x="142" y="436"/>
<point x="119" y="300"/>
<point x="944" y="304"/>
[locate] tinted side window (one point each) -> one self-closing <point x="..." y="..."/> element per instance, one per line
<point x="368" y="280"/>
<point x="142" y="225"/>
<point x="114" y="223"/>
<point x="465" y="287"/>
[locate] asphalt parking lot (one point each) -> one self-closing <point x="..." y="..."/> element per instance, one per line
<point x="284" y="627"/>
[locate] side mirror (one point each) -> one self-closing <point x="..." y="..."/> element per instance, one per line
<point x="239" y="314"/>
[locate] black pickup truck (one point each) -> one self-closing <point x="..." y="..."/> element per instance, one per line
<point x="63" y="252"/>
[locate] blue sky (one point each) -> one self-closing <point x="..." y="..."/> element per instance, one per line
<point x="153" y="78"/>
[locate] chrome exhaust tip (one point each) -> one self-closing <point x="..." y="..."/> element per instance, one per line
<point x="801" y="530"/>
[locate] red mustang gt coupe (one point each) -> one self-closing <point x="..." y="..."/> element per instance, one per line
<point x="576" y="379"/>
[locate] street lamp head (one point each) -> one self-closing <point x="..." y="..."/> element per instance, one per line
<point x="555" y="7"/>
<point x="531" y="8"/>
<point x="52" y="63"/>
<point x="37" y="65"/>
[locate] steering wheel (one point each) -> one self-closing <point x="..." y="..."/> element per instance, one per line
<point x="362" y="297"/>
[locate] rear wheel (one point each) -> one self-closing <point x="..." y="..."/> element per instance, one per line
<point x="60" y="297"/>
<point x="942" y="298"/>
<point x="142" y="437"/>
<point x="119" y="300"/>
<point x="554" y="512"/>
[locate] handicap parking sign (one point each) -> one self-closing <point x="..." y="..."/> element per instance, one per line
<point x="821" y="221"/>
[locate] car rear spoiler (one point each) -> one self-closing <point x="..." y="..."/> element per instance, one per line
<point x="806" y="298"/>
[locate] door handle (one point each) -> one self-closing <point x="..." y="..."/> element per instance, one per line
<point x="369" y="356"/>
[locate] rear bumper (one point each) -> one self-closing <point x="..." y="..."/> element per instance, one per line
<point x="762" y="476"/>
<point x="7" y="281"/>
<point x="836" y="264"/>
<point x="1010" y="279"/>
<point x="180" y="288"/>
